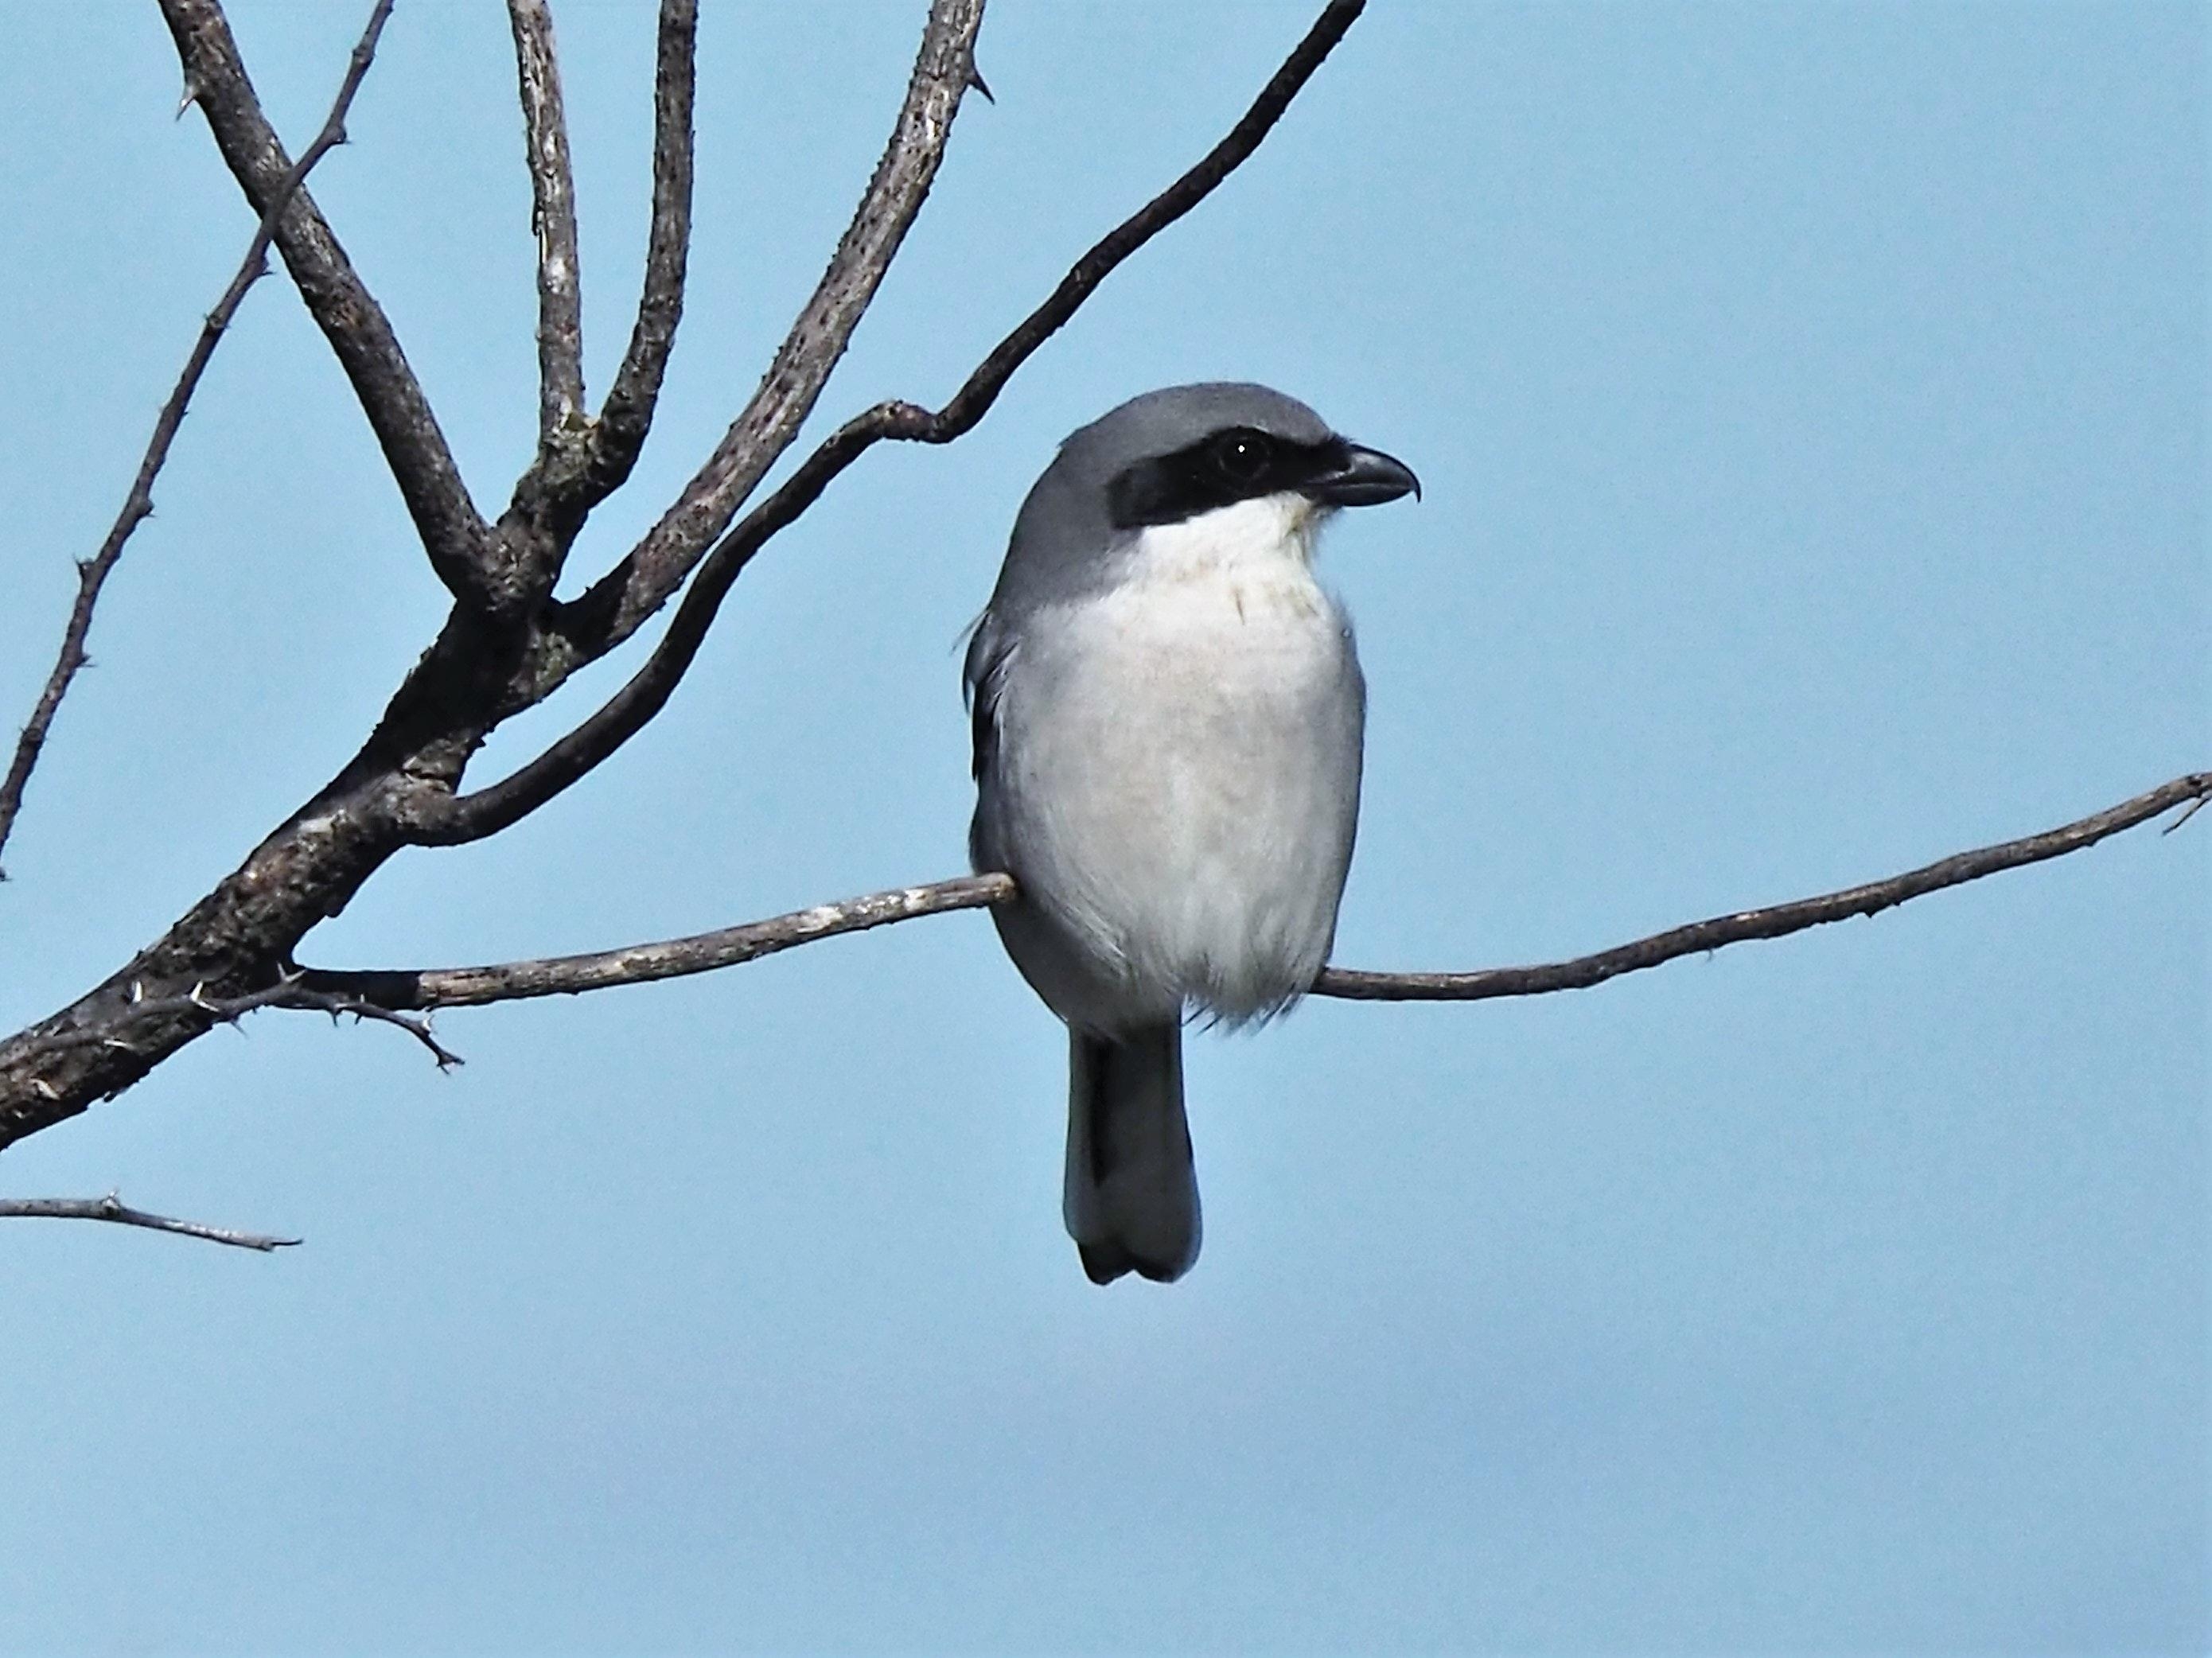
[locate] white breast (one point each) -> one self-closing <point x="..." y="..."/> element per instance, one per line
<point x="1182" y="764"/>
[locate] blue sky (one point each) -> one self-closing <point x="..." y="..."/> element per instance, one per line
<point x="1811" y="403"/>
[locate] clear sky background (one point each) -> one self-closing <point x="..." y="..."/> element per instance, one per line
<point x="1812" y="406"/>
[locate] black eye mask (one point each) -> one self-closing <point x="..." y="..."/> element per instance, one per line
<point x="1241" y="463"/>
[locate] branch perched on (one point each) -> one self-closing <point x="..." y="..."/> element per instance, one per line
<point x="418" y="988"/>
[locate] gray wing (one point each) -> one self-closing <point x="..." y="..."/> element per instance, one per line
<point x="983" y="681"/>
<point x="983" y="678"/>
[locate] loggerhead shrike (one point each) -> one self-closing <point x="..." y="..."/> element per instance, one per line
<point x="1167" y="714"/>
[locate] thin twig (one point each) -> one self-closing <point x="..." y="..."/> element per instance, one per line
<point x="627" y="416"/>
<point x="471" y="986"/>
<point x="113" y="1208"/>
<point x="553" y="218"/>
<point x="488" y="810"/>
<point x="453" y="534"/>
<point x="92" y="573"/>
<point x="195" y="1004"/>
<point x="337" y="1006"/>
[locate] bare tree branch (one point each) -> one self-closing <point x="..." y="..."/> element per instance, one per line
<point x="553" y="218"/>
<point x="704" y="952"/>
<point x="453" y="534"/>
<point x="113" y="1208"/>
<point x="488" y="810"/>
<point x="92" y="573"/>
<point x="626" y="415"/>
<point x="506" y="647"/>
<point x="503" y="648"/>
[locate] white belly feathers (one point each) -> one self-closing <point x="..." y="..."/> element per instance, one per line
<point x="1188" y="809"/>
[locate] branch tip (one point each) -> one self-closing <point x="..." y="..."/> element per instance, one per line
<point x="111" y="1208"/>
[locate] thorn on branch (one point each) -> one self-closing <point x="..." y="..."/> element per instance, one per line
<point x="195" y="1003"/>
<point x="445" y="1058"/>
<point x="2190" y="812"/>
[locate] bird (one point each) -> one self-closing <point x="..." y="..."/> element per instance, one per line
<point x="1168" y="715"/>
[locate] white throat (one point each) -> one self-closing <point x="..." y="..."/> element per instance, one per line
<point x="1270" y="540"/>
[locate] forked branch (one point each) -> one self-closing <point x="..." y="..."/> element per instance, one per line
<point x="488" y="810"/>
<point x="943" y="69"/>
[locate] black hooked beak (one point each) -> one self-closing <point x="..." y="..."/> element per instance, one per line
<point x="1355" y="477"/>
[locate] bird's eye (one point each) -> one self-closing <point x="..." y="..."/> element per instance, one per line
<point x="1243" y="455"/>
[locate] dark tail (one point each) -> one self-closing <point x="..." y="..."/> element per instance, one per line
<point x="1131" y="1198"/>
